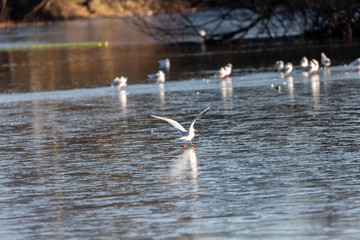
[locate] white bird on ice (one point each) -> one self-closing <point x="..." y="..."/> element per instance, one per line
<point x="279" y="65"/>
<point x="220" y="74"/>
<point x="185" y="135"/>
<point x="325" y="60"/>
<point x="164" y="63"/>
<point x="119" y="82"/>
<point x="228" y="69"/>
<point x="157" y="77"/>
<point x="304" y="62"/>
<point x="312" y="68"/>
<point x="224" y="71"/>
<point x="286" y="69"/>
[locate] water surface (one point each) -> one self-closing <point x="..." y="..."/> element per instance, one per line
<point x="82" y="160"/>
<point x="268" y="164"/>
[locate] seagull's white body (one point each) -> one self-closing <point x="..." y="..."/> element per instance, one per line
<point x="325" y="61"/>
<point x="356" y="62"/>
<point x="220" y="74"/>
<point x="157" y="77"/>
<point x="228" y="69"/>
<point x="164" y="63"/>
<point x="119" y="82"/>
<point x="185" y="135"/>
<point x="286" y="69"/>
<point x="279" y="65"/>
<point x="224" y="71"/>
<point x="313" y="67"/>
<point x="304" y="62"/>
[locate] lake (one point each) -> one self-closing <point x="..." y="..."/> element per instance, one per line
<point x="82" y="160"/>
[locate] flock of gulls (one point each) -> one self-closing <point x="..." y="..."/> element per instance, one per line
<point x="159" y="77"/>
<point x="310" y="67"/>
<point x="307" y="67"/>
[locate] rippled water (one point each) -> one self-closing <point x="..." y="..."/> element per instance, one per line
<point x="81" y="160"/>
<point x="92" y="163"/>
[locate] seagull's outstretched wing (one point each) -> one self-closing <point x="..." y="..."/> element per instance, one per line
<point x="177" y="125"/>
<point x="199" y="116"/>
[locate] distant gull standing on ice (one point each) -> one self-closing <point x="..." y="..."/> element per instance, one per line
<point x="228" y="69"/>
<point x="220" y="74"/>
<point x="312" y="68"/>
<point x="224" y="71"/>
<point x="185" y="135"/>
<point x="202" y="33"/>
<point x="325" y="61"/>
<point x="119" y="82"/>
<point x="157" y="77"/>
<point x="164" y="63"/>
<point x="279" y="65"/>
<point x="286" y="69"/>
<point x="304" y="62"/>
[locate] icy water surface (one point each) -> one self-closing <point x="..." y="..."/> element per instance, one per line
<point x="92" y="163"/>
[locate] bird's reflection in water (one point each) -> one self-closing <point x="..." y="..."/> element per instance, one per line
<point x="226" y="88"/>
<point x="290" y="86"/>
<point x="315" y="87"/>
<point x="162" y="93"/>
<point x="227" y="92"/>
<point x="183" y="177"/>
<point x="326" y="73"/>
<point x="327" y="76"/>
<point x="186" y="167"/>
<point x="123" y="99"/>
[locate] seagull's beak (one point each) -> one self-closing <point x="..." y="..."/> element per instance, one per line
<point x="195" y="130"/>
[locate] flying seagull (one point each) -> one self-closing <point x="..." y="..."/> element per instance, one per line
<point x="185" y="135"/>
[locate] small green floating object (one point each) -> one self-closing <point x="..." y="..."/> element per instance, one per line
<point x="55" y="45"/>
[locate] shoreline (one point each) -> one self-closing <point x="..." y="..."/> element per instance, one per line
<point x="247" y="41"/>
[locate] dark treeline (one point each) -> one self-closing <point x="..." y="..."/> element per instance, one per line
<point x="324" y="17"/>
<point x="274" y="18"/>
<point x="171" y="18"/>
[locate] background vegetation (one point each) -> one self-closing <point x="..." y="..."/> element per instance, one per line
<point x="323" y="18"/>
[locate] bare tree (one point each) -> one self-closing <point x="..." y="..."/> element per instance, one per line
<point x="2" y="10"/>
<point x="228" y="20"/>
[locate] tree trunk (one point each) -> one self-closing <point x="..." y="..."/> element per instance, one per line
<point x="2" y="10"/>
